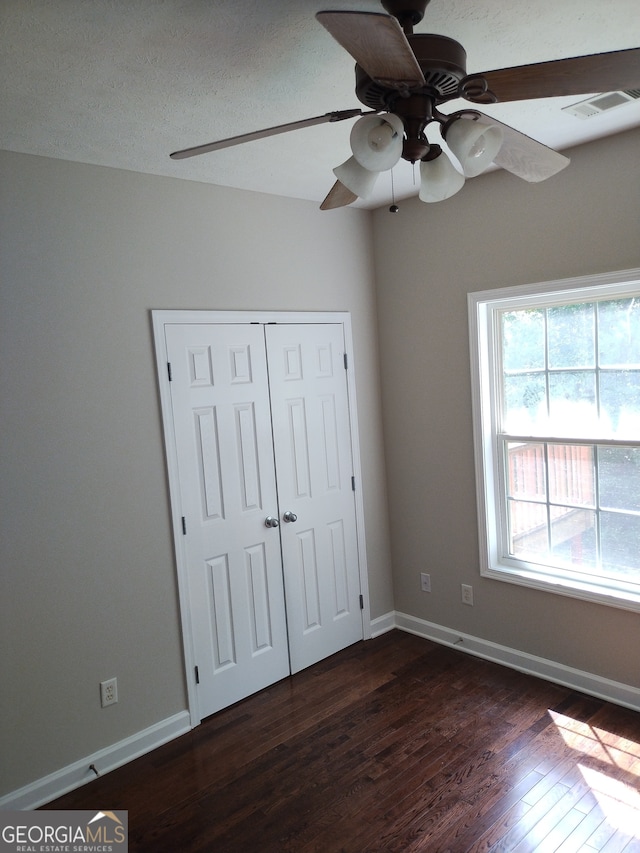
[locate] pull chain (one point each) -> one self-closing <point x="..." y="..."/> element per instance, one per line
<point x="394" y="207"/>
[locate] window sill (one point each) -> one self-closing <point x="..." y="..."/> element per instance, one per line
<point x="625" y="599"/>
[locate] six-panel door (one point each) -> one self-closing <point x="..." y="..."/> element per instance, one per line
<point x="221" y="413"/>
<point x="262" y="430"/>
<point x="312" y="441"/>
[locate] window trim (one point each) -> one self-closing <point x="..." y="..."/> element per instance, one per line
<point x="483" y="344"/>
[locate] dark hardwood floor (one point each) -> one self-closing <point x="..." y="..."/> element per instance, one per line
<point x="396" y="744"/>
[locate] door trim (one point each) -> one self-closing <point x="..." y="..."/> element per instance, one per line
<point x="160" y="319"/>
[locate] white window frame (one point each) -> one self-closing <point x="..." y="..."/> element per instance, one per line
<point x="485" y="381"/>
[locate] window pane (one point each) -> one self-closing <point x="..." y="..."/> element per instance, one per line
<point x="571" y="330"/>
<point x="620" y="401"/>
<point x="619" y="478"/>
<point x="557" y="383"/>
<point x="528" y="538"/>
<point x="573" y="538"/>
<point x="572" y="402"/>
<point x="571" y="474"/>
<point x="619" y="536"/>
<point x="526" y="470"/>
<point x="523" y="340"/>
<point x="524" y="402"/>
<point x="619" y="332"/>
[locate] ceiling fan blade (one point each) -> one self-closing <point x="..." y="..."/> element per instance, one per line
<point x="338" y="115"/>
<point x="579" y="75"/>
<point x="338" y="196"/>
<point x="523" y="156"/>
<point x="378" y="44"/>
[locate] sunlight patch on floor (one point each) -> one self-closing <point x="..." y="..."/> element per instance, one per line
<point x="610" y="766"/>
<point x="619" y="802"/>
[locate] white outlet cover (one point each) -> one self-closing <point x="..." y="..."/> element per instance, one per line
<point x="109" y="692"/>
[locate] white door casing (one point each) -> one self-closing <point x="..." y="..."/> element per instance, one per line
<point x="236" y="491"/>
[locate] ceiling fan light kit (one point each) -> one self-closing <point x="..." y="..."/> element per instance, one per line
<point x="356" y="178"/>
<point x="439" y="178"/>
<point x="475" y="145"/>
<point x="376" y="146"/>
<point x="403" y="78"/>
<point x="376" y="141"/>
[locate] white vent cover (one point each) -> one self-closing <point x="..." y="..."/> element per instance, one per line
<point x="601" y="103"/>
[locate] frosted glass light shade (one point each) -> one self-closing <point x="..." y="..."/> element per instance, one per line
<point x="474" y="144"/>
<point x="376" y="141"/>
<point x="356" y="178"/>
<point x="439" y="179"/>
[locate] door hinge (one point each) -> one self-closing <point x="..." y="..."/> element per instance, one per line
<point x="198" y="674"/>
<point x="184" y="526"/>
<point x="361" y="602"/>
<point x="169" y="371"/>
<point x="346" y="362"/>
<point x="353" y="484"/>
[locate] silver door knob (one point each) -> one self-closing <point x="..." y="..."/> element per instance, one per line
<point x="270" y="521"/>
<point x="290" y="516"/>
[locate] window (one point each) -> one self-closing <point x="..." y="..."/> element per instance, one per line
<point x="556" y="400"/>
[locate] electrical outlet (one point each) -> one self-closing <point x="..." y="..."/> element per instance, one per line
<point x="467" y="593"/>
<point x="109" y="692"/>
<point x="425" y="582"/>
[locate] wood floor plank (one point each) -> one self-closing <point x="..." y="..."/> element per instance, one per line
<point x="396" y="745"/>
<point x="617" y="843"/>
<point x="576" y="840"/>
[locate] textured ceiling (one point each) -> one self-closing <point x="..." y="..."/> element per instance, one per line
<point x="124" y="82"/>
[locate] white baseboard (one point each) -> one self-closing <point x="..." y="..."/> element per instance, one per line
<point x="79" y="773"/>
<point x="576" y="679"/>
<point x="382" y="624"/>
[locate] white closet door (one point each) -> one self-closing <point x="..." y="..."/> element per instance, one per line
<point x="221" y="414"/>
<point x="312" y="441"/>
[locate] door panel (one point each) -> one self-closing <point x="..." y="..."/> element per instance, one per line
<point x="312" y="441"/>
<point x="221" y="414"/>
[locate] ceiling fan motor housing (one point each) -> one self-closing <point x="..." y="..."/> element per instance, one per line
<point x="443" y="62"/>
<point x="408" y="12"/>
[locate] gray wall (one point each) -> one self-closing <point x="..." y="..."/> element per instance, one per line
<point x="88" y="585"/>
<point x="498" y="231"/>
<point x="88" y="588"/>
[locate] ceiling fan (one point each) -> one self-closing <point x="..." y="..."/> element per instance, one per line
<point x="404" y="77"/>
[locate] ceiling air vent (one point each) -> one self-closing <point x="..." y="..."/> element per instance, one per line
<point x="601" y="103"/>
